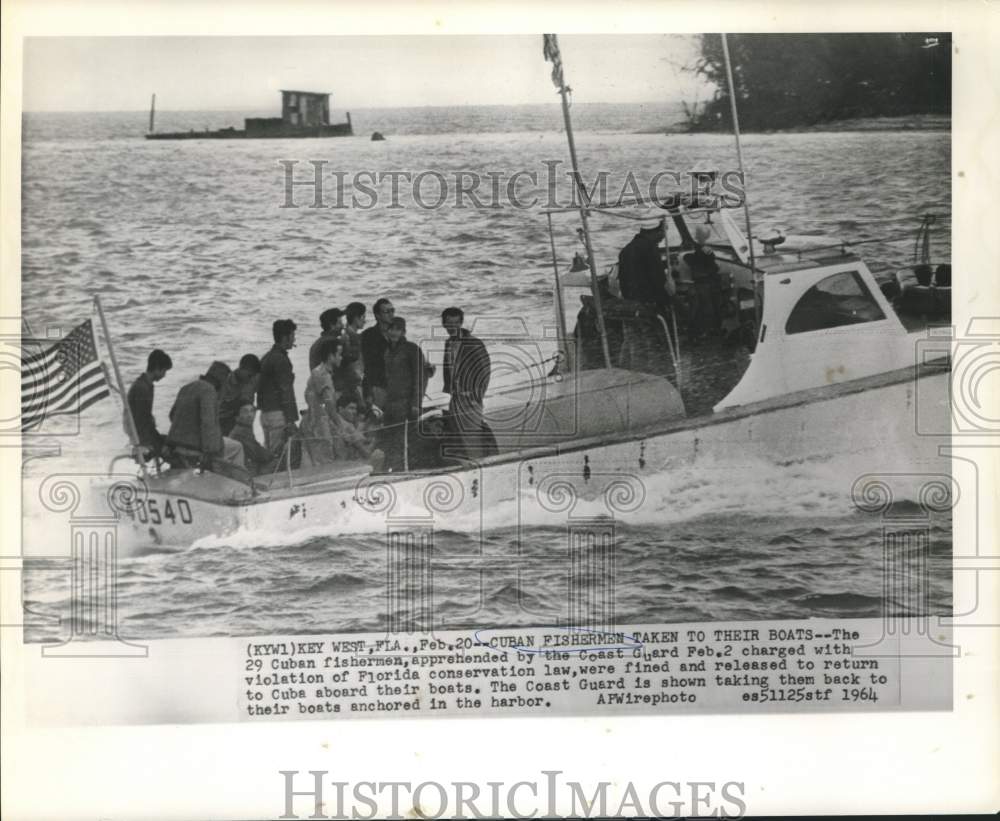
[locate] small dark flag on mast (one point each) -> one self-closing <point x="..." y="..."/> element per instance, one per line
<point x="550" y="49"/>
<point x="65" y="379"/>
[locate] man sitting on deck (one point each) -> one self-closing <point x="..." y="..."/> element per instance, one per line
<point x="195" y="436"/>
<point x="140" y="404"/>
<point x="239" y="389"/>
<point x="350" y="440"/>
<point x="256" y="457"/>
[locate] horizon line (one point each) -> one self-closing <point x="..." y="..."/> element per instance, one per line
<point x="357" y="108"/>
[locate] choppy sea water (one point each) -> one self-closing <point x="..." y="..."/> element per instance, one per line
<point x="191" y="250"/>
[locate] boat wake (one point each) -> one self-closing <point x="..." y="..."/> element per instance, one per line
<point x="760" y="489"/>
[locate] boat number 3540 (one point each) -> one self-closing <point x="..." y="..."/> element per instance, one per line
<point x="152" y="511"/>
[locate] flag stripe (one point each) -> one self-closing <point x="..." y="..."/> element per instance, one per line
<point x="56" y="389"/>
<point x="32" y="365"/>
<point x="74" y="404"/>
<point x="68" y="402"/>
<point x="55" y="396"/>
<point x="37" y="420"/>
<point x="34" y="387"/>
<point x="32" y="359"/>
<point x="86" y="385"/>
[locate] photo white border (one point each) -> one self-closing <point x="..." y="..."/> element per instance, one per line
<point x="917" y="763"/>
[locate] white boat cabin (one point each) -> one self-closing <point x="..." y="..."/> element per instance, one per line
<point x="823" y="321"/>
<point x="814" y="317"/>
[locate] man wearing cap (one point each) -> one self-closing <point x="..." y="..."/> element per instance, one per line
<point x="642" y="274"/>
<point x="279" y="412"/>
<point x="642" y="277"/>
<point x="195" y="436"/>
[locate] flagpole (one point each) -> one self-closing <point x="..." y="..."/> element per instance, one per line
<point x="560" y="308"/>
<point x="133" y="432"/>
<point x="557" y="63"/>
<point x="739" y="159"/>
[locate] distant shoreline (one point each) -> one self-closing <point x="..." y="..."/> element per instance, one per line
<point x="907" y="122"/>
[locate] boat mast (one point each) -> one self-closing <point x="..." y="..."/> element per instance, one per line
<point x="551" y="52"/>
<point x="739" y="158"/>
<point x="152" y="113"/>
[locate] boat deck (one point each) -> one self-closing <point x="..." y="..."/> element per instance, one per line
<point x="709" y="368"/>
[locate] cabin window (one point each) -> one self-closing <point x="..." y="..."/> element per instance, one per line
<point x="841" y="299"/>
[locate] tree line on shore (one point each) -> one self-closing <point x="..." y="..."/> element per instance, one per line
<point x="798" y="80"/>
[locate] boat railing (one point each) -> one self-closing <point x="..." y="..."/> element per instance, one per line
<point x="284" y="463"/>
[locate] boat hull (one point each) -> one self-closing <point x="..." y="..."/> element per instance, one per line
<point x="873" y="422"/>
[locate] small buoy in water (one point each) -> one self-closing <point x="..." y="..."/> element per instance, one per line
<point x="377" y="136"/>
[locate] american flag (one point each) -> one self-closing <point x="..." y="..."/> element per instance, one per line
<point x="550" y="49"/>
<point x="64" y="379"/>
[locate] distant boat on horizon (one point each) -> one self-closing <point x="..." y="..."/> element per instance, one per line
<point x="303" y="114"/>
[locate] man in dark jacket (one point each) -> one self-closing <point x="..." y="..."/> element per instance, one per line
<point x="642" y="277"/>
<point x="347" y="377"/>
<point x="707" y="313"/>
<point x="374" y="342"/>
<point x="140" y="404"/>
<point x="238" y="390"/>
<point x="279" y="412"/>
<point x="406" y="379"/>
<point x="642" y="274"/>
<point x="195" y="437"/>
<point x="466" y="379"/>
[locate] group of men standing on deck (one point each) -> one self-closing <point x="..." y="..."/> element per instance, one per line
<point x="363" y="395"/>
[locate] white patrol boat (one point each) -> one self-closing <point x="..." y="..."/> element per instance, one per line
<point x="841" y="366"/>
<point x="838" y="368"/>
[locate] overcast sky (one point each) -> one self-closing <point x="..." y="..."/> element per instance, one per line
<point x="120" y="73"/>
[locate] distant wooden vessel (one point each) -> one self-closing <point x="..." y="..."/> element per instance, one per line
<point x="303" y="114"/>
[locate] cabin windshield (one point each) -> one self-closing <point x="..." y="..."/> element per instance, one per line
<point x="839" y="299"/>
<point x="713" y="229"/>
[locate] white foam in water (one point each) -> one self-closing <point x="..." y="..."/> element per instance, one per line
<point x="759" y="489"/>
